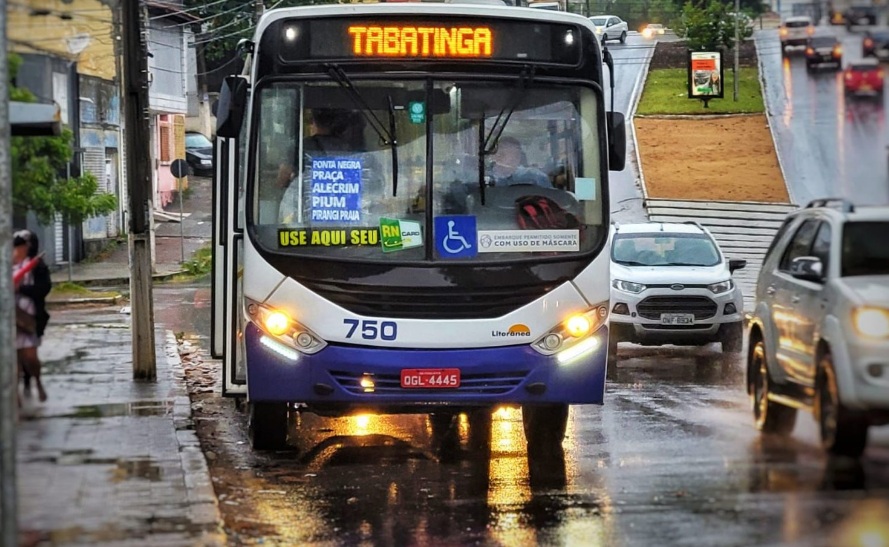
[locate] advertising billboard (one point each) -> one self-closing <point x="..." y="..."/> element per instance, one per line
<point x="705" y="75"/>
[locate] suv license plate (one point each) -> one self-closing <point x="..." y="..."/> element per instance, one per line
<point x="677" y="319"/>
<point x="439" y="378"/>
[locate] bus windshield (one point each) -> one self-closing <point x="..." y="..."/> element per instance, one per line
<point x="328" y="155"/>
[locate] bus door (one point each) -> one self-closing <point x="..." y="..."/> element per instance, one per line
<point x="228" y="237"/>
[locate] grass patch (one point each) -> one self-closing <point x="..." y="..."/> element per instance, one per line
<point x="666" y="92"/>
<point x="200" y="263"/>
<point x="67" y="289"/>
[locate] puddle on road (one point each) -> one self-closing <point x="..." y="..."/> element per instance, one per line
<point x="137" y="469"/>
<point x="141" y="408"/>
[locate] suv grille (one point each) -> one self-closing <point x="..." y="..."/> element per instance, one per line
<point x="432" y="303"/>
<point x="653" y="306"/>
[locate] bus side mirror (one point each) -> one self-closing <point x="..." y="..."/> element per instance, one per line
<point x="231" y="106"/>
<point x="617" y="141"/>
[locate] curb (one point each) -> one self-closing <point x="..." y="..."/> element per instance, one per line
<point x="203" y="506"/>
<point x="768" y="112"/>
<point x="637" y="96"/>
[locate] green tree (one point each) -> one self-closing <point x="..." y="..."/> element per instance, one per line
<point x="37" y="165"/>
<point x="711" y="27"/>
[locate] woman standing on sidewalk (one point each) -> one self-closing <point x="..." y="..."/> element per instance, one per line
<point x="30" y="299"/>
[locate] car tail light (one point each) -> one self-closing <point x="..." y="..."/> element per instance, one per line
<point x="837" y="51"/>
<point x="783" y="31"/>
<point x="881" y="74"/>
<point x="848" y="74"/>
<point x="868" y="43"/>
<point x="810" y="30"/>
<point x="810" y="51"/>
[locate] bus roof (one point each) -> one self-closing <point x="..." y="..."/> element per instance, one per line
<point x="422" y="9"/>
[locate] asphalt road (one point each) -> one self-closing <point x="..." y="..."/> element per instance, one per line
<point x="672" y="458"/>
<point x="630" y="60"/>
<point x="830" y="145"/>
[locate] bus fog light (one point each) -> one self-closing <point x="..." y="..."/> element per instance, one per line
<point x="304" y="340"/>
<point x="276" y="323"/>
<point x="875" y="370"/>
<point x="279" y="348"/>
<point x="552" y="342"/>
<point x="578" y="350"/>
<point x="367" y="383"/>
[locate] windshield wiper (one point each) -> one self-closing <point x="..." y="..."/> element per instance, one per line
<point x="525" y="79"/>
<point x="387" y="137"/>
<point x="632" y="263"/>
<point x="393" y="144"/>
<point x="488" y="143"/>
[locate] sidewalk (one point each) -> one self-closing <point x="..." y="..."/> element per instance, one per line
<point x="108" y="460"/>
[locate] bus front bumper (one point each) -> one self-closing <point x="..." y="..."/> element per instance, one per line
<point x="371" y="377"/>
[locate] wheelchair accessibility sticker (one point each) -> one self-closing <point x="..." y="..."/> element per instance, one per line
<point x="456" y="237"/>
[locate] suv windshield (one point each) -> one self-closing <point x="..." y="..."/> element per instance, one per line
<point x="664" y="249"/>
<point x="864" y="252"/>
<point x="197" y="140"/>
<point x="796" y="24"/>
<point x="325" y="178"/>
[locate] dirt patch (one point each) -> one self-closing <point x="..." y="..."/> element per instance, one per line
<point x="717" y="159"/>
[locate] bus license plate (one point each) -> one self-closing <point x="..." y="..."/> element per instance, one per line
<point x="677" y="319"/>
<point x="430" y="378"/>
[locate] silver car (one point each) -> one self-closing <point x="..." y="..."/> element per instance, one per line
<point x="610" y="27"/>
<point x="819" y="335"/>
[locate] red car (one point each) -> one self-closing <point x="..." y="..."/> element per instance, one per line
<point x="864" y="78"/>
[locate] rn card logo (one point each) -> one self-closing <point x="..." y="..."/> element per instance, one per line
<point x="517" y="330"/>
<point x="397" y="235"/>
<point x="456" y="236"/>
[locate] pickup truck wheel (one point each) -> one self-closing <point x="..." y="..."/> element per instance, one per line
<point x="268" y="426"/>
<point x="843" y="432"/>
<point x="770" y="417"/>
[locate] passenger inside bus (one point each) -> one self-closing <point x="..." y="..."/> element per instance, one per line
<point x="510" y="166"/>
<point x="328" y="130"/>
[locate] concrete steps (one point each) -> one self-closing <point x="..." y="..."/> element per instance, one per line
<point x="743" y="230"/>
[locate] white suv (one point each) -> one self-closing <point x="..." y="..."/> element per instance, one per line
<point x="671" y="284"/>
<point x="795" y="31"/>
<point x="819" y="336"/>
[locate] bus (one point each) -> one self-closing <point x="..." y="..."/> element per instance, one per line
<point x="368" y="254"/>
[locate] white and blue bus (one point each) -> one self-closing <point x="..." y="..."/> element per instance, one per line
<point x="411" y="216"/>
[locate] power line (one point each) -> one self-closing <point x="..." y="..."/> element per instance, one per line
<point x="189" y="10"/>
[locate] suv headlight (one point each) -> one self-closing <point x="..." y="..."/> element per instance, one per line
<point x="871" y="322"/>
<point x="572" y="338"/>
<point x="722" y="286"/>
<point x="278" y="326"/>
<point x="628" y="286"/>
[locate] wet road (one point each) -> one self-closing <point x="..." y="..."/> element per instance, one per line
<point x="672" y="458"/>
<point x="629" y="61"/>
<point x="830" y="145"/>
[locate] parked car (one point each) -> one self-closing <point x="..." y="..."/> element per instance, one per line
<point x="610" y="27"/>
<point x="875" y="44"/>
<point x="860" y="15"/>
<point x="821" y="50"/>
<point x="653" y="30"/>
<point x="865" y="77"/>
<point x="795" y="32"/>
<point x="818" y="338"/>
<point x="198" y="154"/>
<point x="670" y="283"/>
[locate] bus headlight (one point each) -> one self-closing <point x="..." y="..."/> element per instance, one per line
<point x="573" y="332"/>
<point x="282" y="328"/>
<point x="871" y="322"/>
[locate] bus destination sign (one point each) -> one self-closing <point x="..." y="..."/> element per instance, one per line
<point x="421" y="41"/>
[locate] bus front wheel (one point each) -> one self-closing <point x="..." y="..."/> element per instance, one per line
<point x="268" y="426"/>
<point x="544" y="426"/>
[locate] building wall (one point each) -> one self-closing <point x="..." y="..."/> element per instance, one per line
<point x="79" y="30"/>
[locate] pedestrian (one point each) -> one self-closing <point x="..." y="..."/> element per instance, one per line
<point x="32" y="284"/>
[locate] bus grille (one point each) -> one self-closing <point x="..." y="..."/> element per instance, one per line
<point x="389" y="384"/>
<point x="433" y="303"/>
<point x="653" y="306"/>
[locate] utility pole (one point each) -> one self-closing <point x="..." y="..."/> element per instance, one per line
<point x="8" y="366"/>
<point x="135" y="100"/>
<point x="737" y="48"/>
